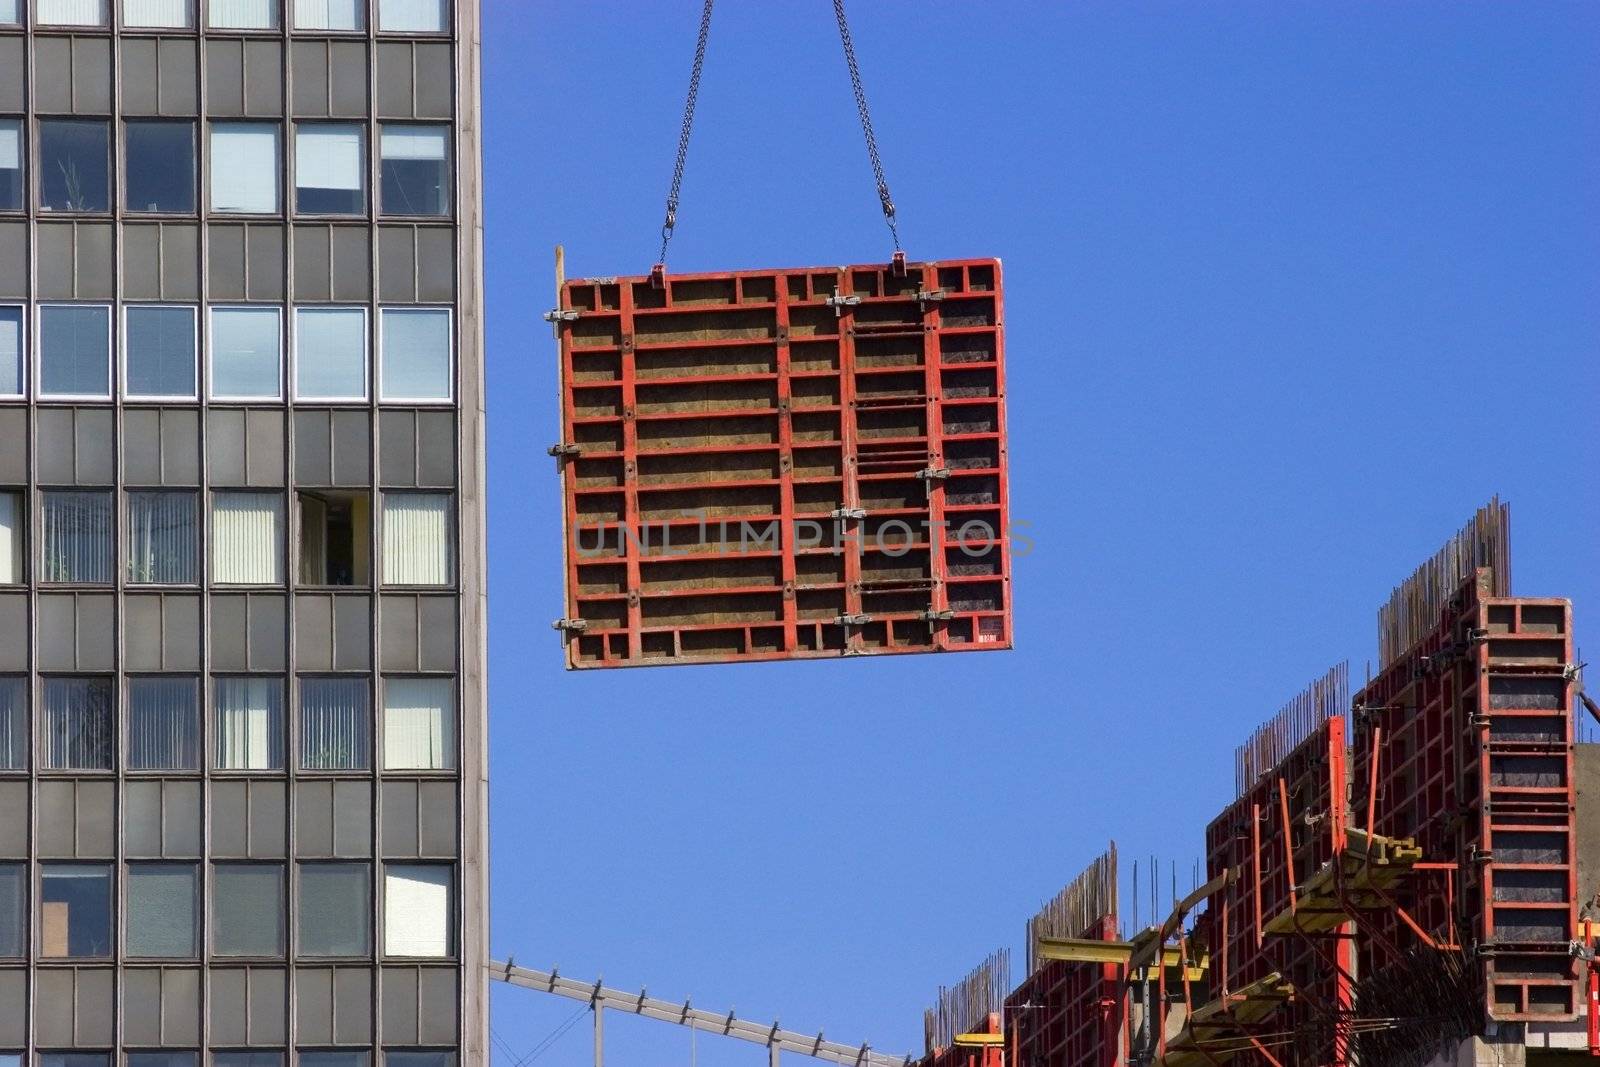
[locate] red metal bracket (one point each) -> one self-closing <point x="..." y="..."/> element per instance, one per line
<point x="658" y="276"/>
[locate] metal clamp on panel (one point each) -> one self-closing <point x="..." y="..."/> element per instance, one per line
<point x="562" y="315"/>
<point x="839" y="303"/>
<point x="849" y="513"/>
<point x="930" y="296"/>
<point x="853" y="620"/>
<point x="933" y="474"/>
<point x="562" y="450"/>
<point x="570" y="625"/>
<point x="938" y="616"/>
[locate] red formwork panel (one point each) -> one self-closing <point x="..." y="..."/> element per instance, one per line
<point x="1067" y="1014"/>
<point x="1272" y="855"/>
<point x="784" y="464"/>
<point x="957" y="1056"/>
<point x="1472" y="728"/>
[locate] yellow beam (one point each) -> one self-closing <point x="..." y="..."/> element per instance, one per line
<point x="1086" y="950"/>
<point x="979" y="1040"/>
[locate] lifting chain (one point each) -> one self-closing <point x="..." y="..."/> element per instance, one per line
<point x="671" y="220"/>
<point x="683" y="135"/>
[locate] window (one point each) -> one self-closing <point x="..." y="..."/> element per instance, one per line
<point x="10" y="347"/>
<point x="74" y="911"/>
<point x="159" y="352"/>
<point x="13" y="724"/>
<point x="350" y="1058"/>
<point x="415" y="170"/>
<point x="74" y="1059"/>
<point x="411" y="16"/>
<point x="10" y="163"/>
<point x="76" y="537"/>
<point x="10" y="12"/>
<point x="419" y="724"/>
<point x="244" y="166"/>
<point x="419" y="1058"/>
<point x="158" y="14"/>
<point x="163" y="724"/>
<point x="247" y="538"/>
<point x="330" y="354"/>
<point x="13" y="518"/>
<point x="329" y="15"/>
<point x="159" y="170"/>
<point x="416" y="354"/>
<point x="74" y="165"/>
<point x="417" y="912"/>
<point x="245" y="353"/>
<point x="335" y="718"/>
<point x="249" y="724"/>
<point x="13" y="917"/>
<point x="161" y="910"/>
<point x="247" y="1058"/>
<point x="75" y="724"/>
<point x="243" y="14"/>
<point x="75" y="351"/>
<point x="329" y="172"/>
<point x="71" y="12"/>
<point x="162" y="1059"/>
<point x="335" y="535"/>
<point x="335" y="900"/>
<point x="416" y="539"/>
<point x="247" y="909"/>
<point x="161" y="538"/>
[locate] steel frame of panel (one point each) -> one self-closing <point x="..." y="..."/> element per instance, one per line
<point x="911" y="432"/>
<point x="1069" y="1014"/>
<point x="1490" y="788"/>
<point x="1285" y="826"/>
<point x="965" y="1056"/>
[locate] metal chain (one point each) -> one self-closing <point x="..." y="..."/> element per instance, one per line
<point x="683" y="136"/>
<point x="866" y="121"/>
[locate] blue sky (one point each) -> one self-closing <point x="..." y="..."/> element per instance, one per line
<point x="1291" y="290"/>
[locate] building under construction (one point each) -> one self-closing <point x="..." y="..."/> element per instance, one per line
<point x="1399" y="881"/>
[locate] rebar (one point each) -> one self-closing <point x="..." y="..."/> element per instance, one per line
<point x="1416" y="604"/>
<point x="1272" y="742"/>
<point x="1087" y="900"/>
<point x="967" y="1005"/>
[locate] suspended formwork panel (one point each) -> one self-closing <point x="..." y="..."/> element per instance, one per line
<point x="784" y="464"/>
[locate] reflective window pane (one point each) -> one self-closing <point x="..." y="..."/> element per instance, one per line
<point x="75" y="724"/>
<point x="72" y="12"/>
<point x="335" y="900"/>
<point x="74" y="1059"/>
<point x="244" y="167"/>
<point x="163" y="1059"/>
<point x="163" y="724"/>
<point x="13" y="914"/>
<point x="247" y="909"/>
<point x="416" y="355"/>
<point x="161" y="910"/>
<point x="412" y="16"/>
<point x="10" y="12"/>
<point x="330" y="354"/>
<point x="329" y="169"/>
<point x="159" y="351"/>
<point x="162" y="538"/>
<point x="329" y="15"/>
<point x="75" y="536"/>
<point x="74" y="911"/>
<point x="415" y="170"/>
<point x="10" y="162"/>
<point x="245" y="352"/>
<point x="243" y="14"/>
<point x="247" y="1058"/>
<point x="248" y="728"/>
<point x="13" y="724"/>
<point x="75" y="350"/>
<point x="158" y="14"/>
<point x="322" y="1058"/>
<point x="74" y="165"/>
<point x="11" y="379"/>
<point x="335" y="724"/>
<point x="418" y="1058"/>
<point x="160" y="166"/>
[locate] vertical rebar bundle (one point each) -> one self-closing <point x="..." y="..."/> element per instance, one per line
<point x="968" y="1005"/>
<point x="1299" y="719"/>
<point x="1414" y="607"/>
<point x="1089" y="898"/>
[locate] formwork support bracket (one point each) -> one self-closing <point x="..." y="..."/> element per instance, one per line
<point x="570" y="625"/>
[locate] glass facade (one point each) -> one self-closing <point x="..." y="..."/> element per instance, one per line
<point x="240" y="499"/>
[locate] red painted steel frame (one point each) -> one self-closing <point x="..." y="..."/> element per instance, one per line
<point x="855" y="415"/>
<point x="952" y="1056"/>
<point x="1069" y="1014"/>
<point x="1475" y="763"/>
<point x="1250" y="837"/>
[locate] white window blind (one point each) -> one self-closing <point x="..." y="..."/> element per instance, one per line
<point x="161" y="538"/>
<point x="419" y="724"/>
<point x="72" y="12"/>
<point x="416" y="354"/>
<point x="244" y="14"/>
<point x="76" y="536"/>
<point x="247" y="538"/>
<point x="415" y="142"/>
<point x="411" y="16"/>
<point x="249" y="724"/>
<point x="329" y="14"/>
<point x="330" y="353"/>
<point x="13" y="724"/>
<point x="327" y="157"/>
<point x="244" y="167"/>
<point x="245" y="352"/>
<point x="75" y="725"/>
<point x="10" y="143"/>
<point x="174" y="14"/>
<point x="163" y="724"/>
<point x="335" y="724"/>
<point x="417" y="910"/>
<point x="11" y="524"/>
<point x="11" y="351"/>
<point x="416" y="539"/>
